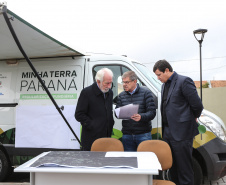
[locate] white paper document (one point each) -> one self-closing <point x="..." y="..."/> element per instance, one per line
<point x="148" y="160"/>
<point x="126" y="111"/>
<point x="121" y="154"/>
<point x="145" y="160"/>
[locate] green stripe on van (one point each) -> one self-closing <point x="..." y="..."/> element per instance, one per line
<point x="45" y="96"/>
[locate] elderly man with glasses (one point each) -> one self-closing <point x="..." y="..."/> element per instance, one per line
<point x="138" y="127"/>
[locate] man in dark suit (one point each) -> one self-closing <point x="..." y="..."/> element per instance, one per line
<point x="180" y="107"/>
<point x="94" y="109"/>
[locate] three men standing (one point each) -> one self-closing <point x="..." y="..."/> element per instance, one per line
<point x="180" y="107"/>
<point x="138" y="128"/>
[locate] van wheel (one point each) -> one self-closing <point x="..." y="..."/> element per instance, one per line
<point x="198" y="176"/>
<point x="4" y="166"/>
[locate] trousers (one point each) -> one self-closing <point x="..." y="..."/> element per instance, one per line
<point x="131" y="142"/>
<point x="181" y="171"/>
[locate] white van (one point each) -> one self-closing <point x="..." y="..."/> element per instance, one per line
<point x="65" y="72"/>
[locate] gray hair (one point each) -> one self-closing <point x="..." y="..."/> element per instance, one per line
<point x="131" y="74"/>
<point x="100" y="74"/>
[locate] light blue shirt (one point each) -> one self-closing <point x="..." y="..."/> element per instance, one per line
<point x="133" y="91"/>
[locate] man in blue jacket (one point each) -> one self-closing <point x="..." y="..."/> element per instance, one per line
<point x="180" y="107"/>
<point x="138" y="127"/>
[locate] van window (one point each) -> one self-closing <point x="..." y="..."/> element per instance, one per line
<point x="149" y="75"/>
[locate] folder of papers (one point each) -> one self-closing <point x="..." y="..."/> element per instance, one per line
<point x="126" y="111"/>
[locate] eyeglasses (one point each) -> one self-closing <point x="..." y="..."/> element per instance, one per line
<point x="126" y="82"/>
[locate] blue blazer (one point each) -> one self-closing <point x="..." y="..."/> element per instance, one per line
<point x="183" y="106"/>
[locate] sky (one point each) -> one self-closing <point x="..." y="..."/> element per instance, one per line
<point x="144" y="30"/>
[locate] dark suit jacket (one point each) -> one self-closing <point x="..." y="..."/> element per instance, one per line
<point x="94" y="112"/>
<point x="183" y="106"/>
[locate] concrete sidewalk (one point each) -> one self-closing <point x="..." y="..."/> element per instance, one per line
<point x="14" y="183"/>
<point x="221" y="181"/>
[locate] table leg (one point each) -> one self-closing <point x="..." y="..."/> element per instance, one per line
<point x="32" y="178"/>
<point x="150" y="179"/>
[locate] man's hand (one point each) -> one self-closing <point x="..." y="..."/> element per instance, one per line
<point x="136" y="117"/>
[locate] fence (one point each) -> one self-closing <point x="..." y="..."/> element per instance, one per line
<point x="214" y="100"/>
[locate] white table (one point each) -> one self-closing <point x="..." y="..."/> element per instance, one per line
<point x="89" y="176"/>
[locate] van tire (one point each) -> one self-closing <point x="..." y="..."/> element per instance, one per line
<point x="198" y="175"/>
<point x="4" y="166"/>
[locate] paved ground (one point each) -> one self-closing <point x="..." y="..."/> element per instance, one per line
<point x="23" y="179"/>
<point x="221" y="181"/>
<point x="18" y="179"/>
<point x="15" y="183"/>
